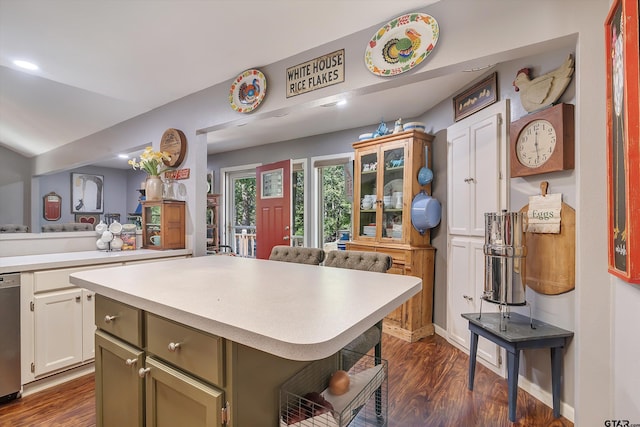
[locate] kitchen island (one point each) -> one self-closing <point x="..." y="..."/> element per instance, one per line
<point x="267" y="320"/>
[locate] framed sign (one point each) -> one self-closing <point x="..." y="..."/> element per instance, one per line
<point x="51" y="207"/>
<point x="86" y="193"/>
<point x="474" y="99"/>
<point x="623" y="140"/>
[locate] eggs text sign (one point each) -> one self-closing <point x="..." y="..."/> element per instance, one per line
<point x="320" y="72"/>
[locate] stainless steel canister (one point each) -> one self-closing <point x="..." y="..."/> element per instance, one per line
<point x="505" y="255"/>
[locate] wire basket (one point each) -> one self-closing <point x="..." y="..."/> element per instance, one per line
<point x="365" y="404"/>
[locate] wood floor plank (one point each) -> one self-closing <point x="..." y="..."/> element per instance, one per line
<point x="427" y="388"/>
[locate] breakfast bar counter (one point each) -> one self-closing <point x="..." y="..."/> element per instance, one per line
<point x="209" y="341"/>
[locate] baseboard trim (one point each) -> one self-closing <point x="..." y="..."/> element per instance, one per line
<point x="545" y="397"/>
<point x="57" y="379"/>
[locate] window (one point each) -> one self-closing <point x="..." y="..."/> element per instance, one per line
<point x="239" y="201"/>
<point x="333" y="201"/>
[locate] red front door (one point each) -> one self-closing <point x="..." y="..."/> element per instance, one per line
<point x="273" y="207"/>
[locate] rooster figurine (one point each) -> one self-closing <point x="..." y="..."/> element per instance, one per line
<point x="401" y="50"/>
<point x="544" y="90"/>
<point x="247" y="93"/>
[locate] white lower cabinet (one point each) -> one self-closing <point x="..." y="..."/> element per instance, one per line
<point x="58" y="330"/>
<point x="88" y="324"/>
<point x="63" y="330"/>
<point x="465" y="286"/>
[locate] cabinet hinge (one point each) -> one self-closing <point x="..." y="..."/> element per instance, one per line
<point x="32" y="306"/>
<point x="33" y="367"/>
<point x="225" y="414"/>
<point x="499" y="359"/>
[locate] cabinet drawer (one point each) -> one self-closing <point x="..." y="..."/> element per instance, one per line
<point x="121" y="320"/>
<point x="51" y="280"/>
<point x="198" y="353"/>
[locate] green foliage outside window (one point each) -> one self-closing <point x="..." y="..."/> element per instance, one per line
<point x="336" y="211"/>
<point x="245" y="201"/>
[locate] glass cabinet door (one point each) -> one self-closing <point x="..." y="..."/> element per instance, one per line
<point x="392" y="192"/>
<point x="153" y="224"/>
<point x="368" y="194"/>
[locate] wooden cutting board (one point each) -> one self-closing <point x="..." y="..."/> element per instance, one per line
<point x="551" y="258"/>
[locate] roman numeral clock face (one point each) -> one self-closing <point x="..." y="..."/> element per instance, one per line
<point x="536" y="143"/>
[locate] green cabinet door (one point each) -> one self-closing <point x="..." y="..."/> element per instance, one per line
<point x="119" y="388"/>
<point x="176" y="399"/>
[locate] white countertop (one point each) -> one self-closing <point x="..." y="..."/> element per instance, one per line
<point x="294" y="311"/>
<point x="23" y="263"/>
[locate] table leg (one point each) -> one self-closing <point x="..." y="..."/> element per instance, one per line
<point x="473" y="351"/>
<point x="556" y="374"/>
<point x="513" y="366"/>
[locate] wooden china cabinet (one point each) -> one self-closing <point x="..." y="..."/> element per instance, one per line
<point x="385" y="183"/>
<point x="163" y="224"/>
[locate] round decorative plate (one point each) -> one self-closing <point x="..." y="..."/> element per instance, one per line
<point x="401" y="44"/>
<point x="248" y="91"/>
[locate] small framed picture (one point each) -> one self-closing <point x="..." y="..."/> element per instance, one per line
<point x="87" y="193"/>
<point x="474" y="99"/>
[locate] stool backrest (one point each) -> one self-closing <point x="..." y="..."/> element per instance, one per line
<point x="297" y="254"/>
<point x="359" y="260"/>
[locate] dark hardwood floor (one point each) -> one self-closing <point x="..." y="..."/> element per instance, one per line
<point x="427" y="387"/>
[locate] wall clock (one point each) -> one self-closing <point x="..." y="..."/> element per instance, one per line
<point x="174" y="142"/>
<point x="543" y="142"/>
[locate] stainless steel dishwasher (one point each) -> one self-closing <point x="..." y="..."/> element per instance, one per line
<point x="9" y="336"/>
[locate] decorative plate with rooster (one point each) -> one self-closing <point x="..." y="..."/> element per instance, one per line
<point x="401" y="44"/>
<point x="247" y="91"/>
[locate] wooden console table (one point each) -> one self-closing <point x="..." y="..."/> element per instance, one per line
<point x="519" y="335"/>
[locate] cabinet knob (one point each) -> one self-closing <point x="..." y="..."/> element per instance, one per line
<point x="109" y="319"/>
<point x="467" y="297"/>
<point x="131" y="362"/>
<point x="173" y="346"/>
<point x="89" y="296"/>
<point x="142" y="372"/>
<point x="78" y="299"/>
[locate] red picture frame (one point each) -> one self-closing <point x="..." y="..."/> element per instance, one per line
<point x="623" y="140"/>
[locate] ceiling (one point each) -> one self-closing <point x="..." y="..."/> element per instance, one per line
<point x="104" y="62"/>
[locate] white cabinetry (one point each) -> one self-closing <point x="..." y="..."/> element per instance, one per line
<point x="58" y="330"/>
<point x="477" y="151"/>
<point x="465" y="290"/>
<point x="477" y="173"/>
<point x="63" y="323"/>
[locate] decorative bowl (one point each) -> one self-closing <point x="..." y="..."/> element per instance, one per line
<point x="414" y="126"/>
<point x="365" y="136"/>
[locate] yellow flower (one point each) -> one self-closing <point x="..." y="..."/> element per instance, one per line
<point x="151" y="161"/>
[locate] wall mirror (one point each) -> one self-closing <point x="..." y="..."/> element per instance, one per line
<point x="52" y="206"/>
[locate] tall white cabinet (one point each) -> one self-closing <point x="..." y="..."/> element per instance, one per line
<point x="477" y="182"/>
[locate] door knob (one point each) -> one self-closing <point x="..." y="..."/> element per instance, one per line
<point x="173" y="346"/>
<point x="285" y="238"/>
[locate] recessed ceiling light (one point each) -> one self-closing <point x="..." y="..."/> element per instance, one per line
<point x="123" y="156"/>
<point x="341" y="103"/>
<point x="25" y="64"/>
